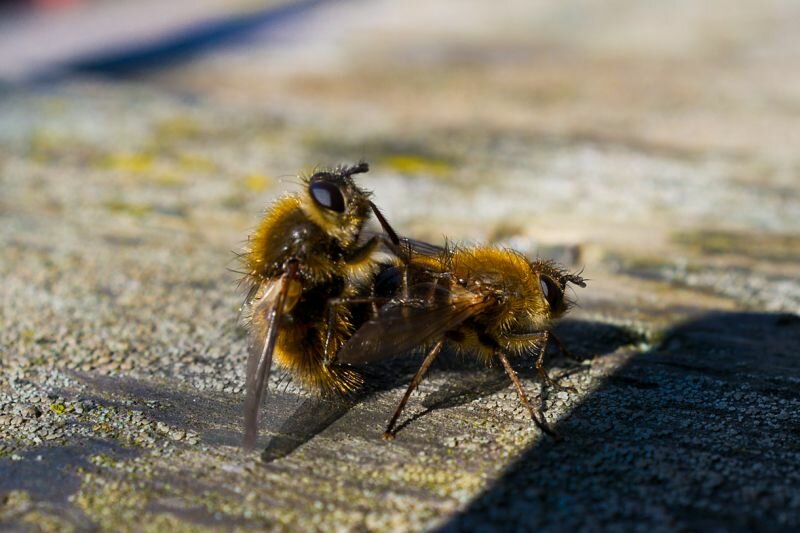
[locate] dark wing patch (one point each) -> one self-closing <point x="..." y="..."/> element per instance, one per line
<point x="264" y="325"/>
<point x="428" y="313"/>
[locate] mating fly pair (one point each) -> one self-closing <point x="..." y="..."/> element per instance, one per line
<point x="308" y="265"/>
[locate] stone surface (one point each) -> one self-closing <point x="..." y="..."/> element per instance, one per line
<point x="654" y="146"/>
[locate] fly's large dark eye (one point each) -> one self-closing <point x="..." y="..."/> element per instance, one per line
<point x="552" y="292"/>
<point x="328" y="196"/>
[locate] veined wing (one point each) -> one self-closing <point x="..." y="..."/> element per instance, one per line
<point x="422" y="248"/>
<point x="264" y="325"/>
<point x="428" y="313"/>
<point x="413" y="246"/>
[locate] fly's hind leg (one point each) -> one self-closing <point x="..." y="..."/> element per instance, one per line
<point x="389" y="433"/>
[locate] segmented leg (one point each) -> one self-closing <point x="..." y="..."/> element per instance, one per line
<point x="563" y="349"/>
<point x="523" y="397"/>
<point x="541" y="369"/>
<point x="389" y="433"/>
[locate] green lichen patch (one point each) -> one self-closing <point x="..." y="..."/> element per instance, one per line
<point x="133" y="209"/>
<point x="59" y="408"/>
<point x="418" y="165"/>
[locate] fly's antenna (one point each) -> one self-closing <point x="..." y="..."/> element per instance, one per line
<point x="341" y="171"/>
<point x="576" y="279"/>
<point x="359" y="168"/>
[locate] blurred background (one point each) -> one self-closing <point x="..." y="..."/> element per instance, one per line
<point x="655" y="145"/>
<point x="565" y="121"/>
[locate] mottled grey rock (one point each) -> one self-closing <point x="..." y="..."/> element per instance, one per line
<point x="652" y="146"/>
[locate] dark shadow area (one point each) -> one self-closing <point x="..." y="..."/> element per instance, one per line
<point x="312" y="417"/>
<point x="472" y="381"/>
<point x="587" y="340"/>
<point x="216" y="417"/>
<point x="189" y="42"/>
<point x="700" y="433"/>
<point x="48" y="472"/>
<point x="290" y="420"/>
<point x="49" y="475"/>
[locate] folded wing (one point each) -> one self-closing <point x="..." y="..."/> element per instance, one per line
<point x="429" y="312"/>
<point x="264" y="325"/>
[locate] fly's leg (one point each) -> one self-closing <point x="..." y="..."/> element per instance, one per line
<point x="404" y="288"/>
<point x="389" y="433"/>
<point x="540" y="338"/>
<point x="540" y="422"/>
<point x="563" y="349"/>
<point x="393" y="241"/>
<point x="543" y="372"/>
<point x="331" y="308"/>
<point x="374" y="307"/>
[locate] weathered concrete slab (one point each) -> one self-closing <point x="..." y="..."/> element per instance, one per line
<point x="656" y="149"/>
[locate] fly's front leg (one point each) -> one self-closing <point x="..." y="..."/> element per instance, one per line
<point x="523" y="398"/>
<point x="563" y="349"/>
<point x="393" y="239"/>
<point x="362" y="254"/>
<point x="374" y="306"/>
<point x="540" y="339"/>
<point x="543" y="372"/>
<point x="539" y="363"/>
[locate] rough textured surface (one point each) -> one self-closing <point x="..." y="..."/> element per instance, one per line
<point x="654" y="146"/>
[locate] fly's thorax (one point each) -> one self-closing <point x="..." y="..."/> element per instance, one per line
<point x="286" y="233"/>
<point x="507" y="277"/>
<point x="426" y="263"/>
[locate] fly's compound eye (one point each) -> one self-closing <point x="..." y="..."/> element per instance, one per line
<point x="551" y="292"/>
<point x="327" y="195"/>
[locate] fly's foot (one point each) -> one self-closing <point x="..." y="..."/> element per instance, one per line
<point x="548" y="381"/>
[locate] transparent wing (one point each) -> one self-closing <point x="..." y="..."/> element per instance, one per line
<point x="422" y="248"/>
<point x="264" y="325"/>
<point x="412" y="245"/>
<point x="429" y="312"/>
